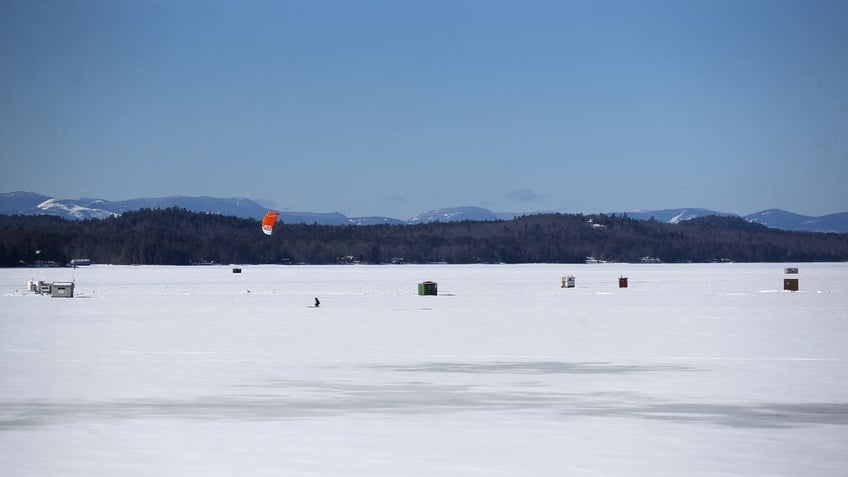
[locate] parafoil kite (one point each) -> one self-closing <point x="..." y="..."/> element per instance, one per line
<point x="268" y="221"/>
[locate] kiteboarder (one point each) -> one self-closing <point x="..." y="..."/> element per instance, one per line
<point x="268" y="221"/>
<point x="317" y="303"/>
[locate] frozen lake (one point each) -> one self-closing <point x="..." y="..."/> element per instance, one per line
<point x="696" y="370"/>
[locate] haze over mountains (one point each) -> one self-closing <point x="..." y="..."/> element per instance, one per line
<point x="29" y="203"/>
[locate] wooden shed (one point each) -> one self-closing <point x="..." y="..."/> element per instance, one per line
<point x="790" y="283"/>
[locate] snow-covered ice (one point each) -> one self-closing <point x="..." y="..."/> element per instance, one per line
<point x="697" y="370"/>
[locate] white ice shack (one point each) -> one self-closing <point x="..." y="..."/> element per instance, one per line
<point x="39" y="286"/>
<point x="568" y="282"/>
<point x="62" y="289"/>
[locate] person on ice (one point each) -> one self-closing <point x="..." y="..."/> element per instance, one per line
<point x="317" y="303"/>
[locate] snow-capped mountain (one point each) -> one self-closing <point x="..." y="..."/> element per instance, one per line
<point x="781" y="219"/>
<point x="73" y="210"/>
<point x="774" y="218"/>
<point x="453" y="214"/>
<point x="672" y="216"/>
<point x="29" y="203"/>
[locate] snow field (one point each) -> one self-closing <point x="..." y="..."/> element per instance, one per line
<point x="708" y="369"/>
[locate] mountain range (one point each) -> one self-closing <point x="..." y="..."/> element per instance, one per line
<point x="30" y="203"/>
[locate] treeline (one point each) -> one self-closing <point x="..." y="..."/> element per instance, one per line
<point x="180" y="237"/>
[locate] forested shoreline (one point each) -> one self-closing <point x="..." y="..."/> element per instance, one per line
<point x="180" y="237"/>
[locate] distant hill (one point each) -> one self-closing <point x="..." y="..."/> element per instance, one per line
<point x="180" y="237"/>
<point x="29" y="203"/>
<point x="20" y="203"/>
<point x="673" y="216"/>
<point x="781" y="219"/>
<point x="773" y="218"/>
<point x="459" y="214"/>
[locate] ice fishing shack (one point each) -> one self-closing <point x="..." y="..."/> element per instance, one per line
<point x="428" y="288"/>
<point x="62" y="289"/>
<point x="790" y="283"/>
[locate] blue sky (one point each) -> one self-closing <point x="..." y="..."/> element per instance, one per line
<point x="396" y="107"/>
